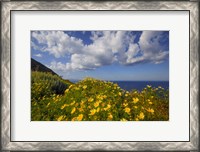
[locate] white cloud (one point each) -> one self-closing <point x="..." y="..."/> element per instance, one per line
<point x="57" y="43"/>
<point x="58" y="66"/>
<point x="38" y="55"/>
<point x="106" y="47"/>
<point x="131" y="54"/>
<point x="151" y="48"/>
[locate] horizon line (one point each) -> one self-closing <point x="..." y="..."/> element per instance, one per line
<point x="122" y="80"/>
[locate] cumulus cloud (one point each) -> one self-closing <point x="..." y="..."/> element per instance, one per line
<point x="38" y="55"/>
<point x="57" y="43"/>
<point x="152" y="48"/>
<point x="106" y="48"/>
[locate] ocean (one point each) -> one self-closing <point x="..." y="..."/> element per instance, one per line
<point x="140" y="85"/>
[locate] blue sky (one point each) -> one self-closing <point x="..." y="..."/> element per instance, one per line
<point x="106" y="55"/>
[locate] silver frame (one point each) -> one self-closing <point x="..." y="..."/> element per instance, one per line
<point x="7" y="6"/>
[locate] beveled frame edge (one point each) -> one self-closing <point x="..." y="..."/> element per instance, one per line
<point x="6" y="144"/>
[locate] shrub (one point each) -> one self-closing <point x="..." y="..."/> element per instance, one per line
<point x="46" y="84"/>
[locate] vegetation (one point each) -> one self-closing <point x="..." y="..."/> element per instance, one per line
<point x="45" y="85"/>
<point x="54" y="99"/>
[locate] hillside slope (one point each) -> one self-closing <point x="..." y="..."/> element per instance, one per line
<point x="37" y="66"/>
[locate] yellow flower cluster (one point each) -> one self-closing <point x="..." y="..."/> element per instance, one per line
<point x="63" y="106"/>
<point x="141" y="116"/>
<point x="90" y="99"/>
<point x="73" y="110"/>
<point x="92" y="112"/>
<point x="84" y="87"/>
<point x="61" y="118"/>
<point x="150" y="110"/>
<point x="96" y="100"/>
<point x="127" y="110"/>
<point x="135" y="100"/>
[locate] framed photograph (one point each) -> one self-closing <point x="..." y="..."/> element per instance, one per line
<point x="110" y="75"/>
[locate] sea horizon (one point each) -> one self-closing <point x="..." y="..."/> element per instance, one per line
<point x="76" y="80"/>
<point x="129" y="85"/>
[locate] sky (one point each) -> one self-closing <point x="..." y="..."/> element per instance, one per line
<point x="105" y="55"/>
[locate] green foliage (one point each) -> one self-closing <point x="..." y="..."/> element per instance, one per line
<point x="46" y="84"/>
<point x="96" y="100"/>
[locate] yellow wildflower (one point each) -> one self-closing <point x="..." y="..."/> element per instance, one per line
<point x="73" y="110"/>
<point x="77" y="88"/>
<point x="136" y="119"/>
<point x="48" y="104"/>
<point x="127" y="110"/>
<point x="63" y="106"/>
<point x="84" y="87"/>
<point x="108" y="107"/>
<point x="98" y="109"/>
<point x="110" y="117"/>
<point x="98" y="96"/>
<point x="80" y="109"/>
<point x="92" y="112"/>
<point x="72" y="103"/>
<point x="150" y="110"/>
<point x="125" y="104"/>
<point x="80" y="117"/>
<point x="90" y="99"/>
<point x="143" y="91"/>
<point x="99" y="101"/>
<point x="66" y="90"/>
<point x="148" y="86"/>
<point x="123" y="119"/>
<point x="75" y="118"/>
<point x="96" y="104"/>
<point x="61" y="118"/>
<point x="104" y="96"/>
<point x="141" y="116"/>
<point x="135" y="92"/>
<point x="135" y="107"/>
<point x="76" y="104"/>
<point x="126" y="95"/>
<point x="82" y="102"/>
<point x="120" y="94"/>
<point x="57" y="100"/>
<point x="150" y="102"/>
<point x="101" y="97"/>
<point x="135" y="100"/>
<point x="115" y="85"/>
<point x="70" y="86"/>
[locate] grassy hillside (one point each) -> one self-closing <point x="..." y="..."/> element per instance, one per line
<point x="45" y="84"/>
<point x="94" y="100"/>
